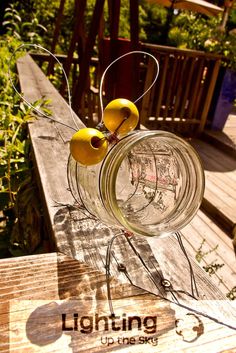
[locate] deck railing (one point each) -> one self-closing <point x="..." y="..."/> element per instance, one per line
<point x="179" y="101"/>
<point x="182" y="96"/>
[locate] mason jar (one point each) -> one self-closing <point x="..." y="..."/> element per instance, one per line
<point x="150" y="183"/>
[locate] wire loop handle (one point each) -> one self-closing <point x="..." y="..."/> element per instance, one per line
<point x="121" y="57"/>
<point x="37" y="46"/>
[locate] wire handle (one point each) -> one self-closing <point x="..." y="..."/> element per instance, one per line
<point x="121" y="57"/>
<point x="37" y="46"/>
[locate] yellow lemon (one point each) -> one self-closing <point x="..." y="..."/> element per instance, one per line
<point x="88" y="146"/>
<point x="121" y="116"/>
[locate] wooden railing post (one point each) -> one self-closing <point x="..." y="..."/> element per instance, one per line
<point x="84" y="67"/>
<point x="209" y="95"/>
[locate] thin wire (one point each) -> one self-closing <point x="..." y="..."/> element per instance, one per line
<point x="36" y="46"/>
<point x="192" y="276"/>
<point x="171" y="290"/>
<point x="121" y="57"/>
<point x="107" y="267"/>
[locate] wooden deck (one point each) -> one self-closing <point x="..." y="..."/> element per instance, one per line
<point x="207" y="242"/>
<point x="77" y="269"/>
<point x="226" y="139"/>
<point x="220" y="192"/>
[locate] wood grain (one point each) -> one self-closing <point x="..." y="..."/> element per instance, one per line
<point x="30" y="320"/>
<point x="220" y="191"/>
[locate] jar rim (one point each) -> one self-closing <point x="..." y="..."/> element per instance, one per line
<point x="108" y="178"/>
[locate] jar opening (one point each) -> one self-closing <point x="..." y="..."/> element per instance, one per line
<point x="155" y="183"/>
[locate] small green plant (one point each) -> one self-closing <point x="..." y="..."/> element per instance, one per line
<point x="232" y="294"/>
<point x="17" y="189"/>
<point x="12" y="21"/>
<point x="30" y="31"/>
<point x="213" y="267"/>
<point x="200" y="254"/>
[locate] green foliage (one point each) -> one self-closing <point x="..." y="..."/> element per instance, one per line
<point x="13" y="142"/>
<point x="187" y="29"/>
<point x="15" y="165"/>
<point x="28" y="31"/>
<point x="153" y="22"/>
<point x="194" y="31"/>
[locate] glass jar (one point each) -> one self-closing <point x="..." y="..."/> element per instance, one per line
<point x="150" y="183"/>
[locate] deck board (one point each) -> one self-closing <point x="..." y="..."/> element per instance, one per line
<point x="202" y="228"/>
<point x="30" y="320"/>
<point x="225" y="139"/>
<point x="220" y="191"/>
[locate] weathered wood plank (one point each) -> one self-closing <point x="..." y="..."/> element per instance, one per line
<point x="202" y="229"/>
<point x="209" y="95"/>
<point x="220" y="173"/>
<point x="226" y="139"/>
<point x="191" y="63"/>
<point x="146" y="106"/>
<point x="33" y="323"/>
<point x="162" y="84"/>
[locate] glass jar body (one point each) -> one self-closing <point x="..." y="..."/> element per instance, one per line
<point x="150" y="183"/>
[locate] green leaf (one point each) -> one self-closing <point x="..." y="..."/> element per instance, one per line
<point x="17" y="17"/>
<point x="42" y="27"/>
<point x="17" y="160"/>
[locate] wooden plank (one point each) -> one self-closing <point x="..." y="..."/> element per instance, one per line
<point x="203" y="229"/>
<point x="180" y="86"/>
<point x="195" y="88"/>
<point x="170" y="83"/>
<point x="209" y="95"/>
<point x="56" y="33"/>
<point x="226" y="139"/>
<point x="146" y="106"/>
<point x="31" y="321"/>
<point x="161" y="82"/>
<point x="220" y="173"/>
<point x="76" y="35"/>
<point x="187" y="88"/>
<point x="177" y="51"/>
<point x="215" y="159"/>
<point x="47" y="136"/>
<point x="83" y="78"/>
<point x="43" y="277"/>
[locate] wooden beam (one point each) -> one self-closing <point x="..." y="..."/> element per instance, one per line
<point x="82" y="82"/>
<point x="59" y="18"/>
<point x="114" y="19"/>
<point x="80" y="6"/>
<point x="209" y="94"/>
<point x="134" y="37"/>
